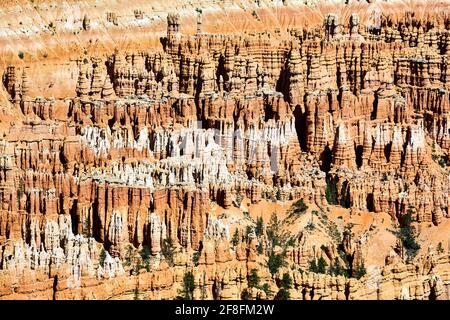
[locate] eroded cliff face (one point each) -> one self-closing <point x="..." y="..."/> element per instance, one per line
<point x="169" y="160"/>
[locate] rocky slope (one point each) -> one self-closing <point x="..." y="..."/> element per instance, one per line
<point x="285" y="148"/>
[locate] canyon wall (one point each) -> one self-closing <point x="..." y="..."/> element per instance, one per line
<point x="170" y="148"/>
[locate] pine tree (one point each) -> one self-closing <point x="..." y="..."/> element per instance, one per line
<point x="246" y="295"/>
<point x="204" y="286"/>
<point x="102" y="257"/>
<point x="195" y="258"/>
<point x="145" y="255"/>
<point x="286" y="281"/>
<point x="266" y="288"/>
<point x="273" y="230"/>
<point x="300" y="206"/>
<point x="275" y="262"/>
<point x="407" y="234"/>
<point x="168" y="250"/>
<point x="87" y="227"/>
<point x="321" y="265"/>
<point x="145" y="252"/>
<point x="360" y="271"/>
<point x="259" y="226"/>
<point x="440" y="248"/>
<point x="136" y="293"/>
<point x="278" y="195"/>
<point x="283" y="294"/>
<point x="248" y="231"/>
<point x="235" y="239"/>
<point x="253" y="279"/>
<point x="260" y="248"/>
<point x="336" y="268"/>
<point x="129" y="255"/>
<point x="313" y="266"/>
<point x="238" y="199"/>
<point x="330" y="192"/>
<point x="187" y="293"/>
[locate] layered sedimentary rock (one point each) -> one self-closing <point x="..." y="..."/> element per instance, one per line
<point x="350" y="112"/>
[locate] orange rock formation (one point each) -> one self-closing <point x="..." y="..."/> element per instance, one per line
<point x="128" y="161"/>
